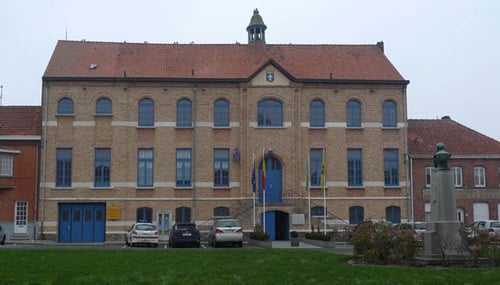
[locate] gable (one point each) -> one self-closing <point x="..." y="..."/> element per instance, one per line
<point x="270" y="76"/>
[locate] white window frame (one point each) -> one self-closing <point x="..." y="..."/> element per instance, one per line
<point x="457" y="176"/>
<point x="479" y="177"/>
<point x="428" y="176"/>
<point x="6" y="165"/>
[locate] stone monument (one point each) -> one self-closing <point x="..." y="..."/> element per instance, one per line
<point x="443" y="239"/>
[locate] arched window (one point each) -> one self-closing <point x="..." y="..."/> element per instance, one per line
<point x="270" y="113"/>
<point x="184" y="113"/>
<point x="317" y="211"/>
<point x="389" y="113"/>
<point x="65" y="106"/>
<point x="393" y="214"/>
<point x="103" y="106"/>
<point x="221" y="212"/>
<point x="221" y="113"/>
<point x="183" y="215"/>
<point x="356" y="215"/>
<point x="317" y="114"/>
<point x="146" y="113"/>
<point x="144" y="215"/>
<point x="353" y="114"/>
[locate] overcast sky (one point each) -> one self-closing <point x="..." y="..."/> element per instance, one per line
<point x="448" y="49"/>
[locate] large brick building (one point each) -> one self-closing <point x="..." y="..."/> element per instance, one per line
<point x="134" y="132"/>
<point x="20" y="135"/>
<point x="475" y="161"/>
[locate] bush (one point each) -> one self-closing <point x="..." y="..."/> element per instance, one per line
<point x="258" y="234"/>
<point x="380" y="243"/>
<point x="318" y="236"/>
<point x="294" y="234"/>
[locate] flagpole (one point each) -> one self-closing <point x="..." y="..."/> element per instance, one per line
<point x="264" y="189"/>
<point x="253" y="188"/>
<point x="308" y="188"/>
<point x="324" y="193"/>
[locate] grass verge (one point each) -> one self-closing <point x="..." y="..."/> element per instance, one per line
<point x="224" y="266"/>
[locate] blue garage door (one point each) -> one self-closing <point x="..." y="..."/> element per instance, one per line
<point x="82" y="222"/>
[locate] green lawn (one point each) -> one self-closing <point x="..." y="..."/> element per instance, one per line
<point x="221" y="266"/>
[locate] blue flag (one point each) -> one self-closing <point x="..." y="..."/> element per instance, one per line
<point x="254" y="185"/>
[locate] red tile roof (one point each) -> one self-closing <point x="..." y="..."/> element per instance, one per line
<point x="71" y="59"/>
<point x="423" y="135"/>
<point x="20" y="120"/>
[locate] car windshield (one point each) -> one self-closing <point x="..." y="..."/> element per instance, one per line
<point x="145" y="227"/>
<point x="229" y="224"/>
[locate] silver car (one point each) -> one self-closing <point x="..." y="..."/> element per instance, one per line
<point x="142" y="233"/>
<point x="492" y="227"/>
<point x="226" y="231"/>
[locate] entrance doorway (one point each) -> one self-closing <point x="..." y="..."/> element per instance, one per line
<point x="273" y="182"/>
<point x="277" y="225"/>
<point x="82" y="222"/>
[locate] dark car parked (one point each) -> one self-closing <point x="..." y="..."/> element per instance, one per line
<point x="184" y="235"/>
<point x="2" y="236"/>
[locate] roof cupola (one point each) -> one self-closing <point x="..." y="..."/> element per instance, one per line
<point x="256" y="29"/>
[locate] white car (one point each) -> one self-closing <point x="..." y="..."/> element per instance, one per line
<point x="490" y="226"/>
<point x="226" y="231"/>
<point x="142" y="233"/>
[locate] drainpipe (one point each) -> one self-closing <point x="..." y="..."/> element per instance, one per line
<point x="43" y="164"/>
<point x="193" y="156"/>
<point x="408" y="180"/>
<point x="412" y="210"/>
<point x="37" y="190"/>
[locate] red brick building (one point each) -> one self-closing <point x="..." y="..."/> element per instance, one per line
<point x="20" y="135"/>
<point x="475" y="161"/>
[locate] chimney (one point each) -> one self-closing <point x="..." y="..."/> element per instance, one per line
<point x="380" y="46"/>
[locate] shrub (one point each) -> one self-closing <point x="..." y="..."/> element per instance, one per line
<point x="318" y="236"/>
<point x="258" y="234"/>
<point x="294" y="234"/>
<point x="380" y="243"/>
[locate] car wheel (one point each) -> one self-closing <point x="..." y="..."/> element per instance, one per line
<point x="2" y="242"/>
<point x="240" y="244"/>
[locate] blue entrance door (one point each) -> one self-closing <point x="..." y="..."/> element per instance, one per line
<point x="277" y="225"/>
<point x="273" y="181"/>
<point x="64" y="228"/>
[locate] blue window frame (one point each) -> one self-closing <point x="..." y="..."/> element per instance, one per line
<point x="317" y="211"/>
<point x="145" y="167"/>
<point x="183" y="168"/>
<point x="391" y="167"/>
<point x="144" y="215"/>
<point x="184" y="113"/>
<point x="146" y="113"/>
<point x="356" y="215"/>
<point x="389" y="114"/>
<point x="353" y="114"/>
<point x="102" y="167"/>
<point x="103" y="106"/>
<point x="317" y="114"/>
<point x="65" y="106"/>
<point x="354" y="167"/>
<point x="270" y="113"/>
<point x="393" y="214"/>
<point x="221" y="212"/>
<point x="183" y="215"/>
<point x="221" y="167"/>
<point x="316" y="157"/>
<point x="221" y="113"/>
<point x="64" y="157"/>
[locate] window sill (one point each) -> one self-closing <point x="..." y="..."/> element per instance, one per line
<point x="390" y="128"/>
<point x="360" y="187"/>
<point x="221" y="188"/>
<point x="65" y="115"/>
<point x="392" y="187"/>
<point x="145" y="188"/>
<point x="221" y="128"/>
<point x="145" y="127"/>
<point x="103" y="115"/>
<point x="317" y="128"/>
<point x="102" y="188"/>
<point x="354" y="128"/>
<point x="270" y="127"/>
<point x="184" y="127"/>
<point x="63" y="188"/>
<point x="183" y="188"/>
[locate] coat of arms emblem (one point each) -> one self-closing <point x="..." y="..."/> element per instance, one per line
<point x="270" y="76"/>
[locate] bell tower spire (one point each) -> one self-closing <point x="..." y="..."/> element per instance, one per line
<point x="256" y="29"/>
